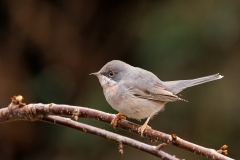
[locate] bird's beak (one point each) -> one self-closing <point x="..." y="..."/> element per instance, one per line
<point x="95" y="73"/>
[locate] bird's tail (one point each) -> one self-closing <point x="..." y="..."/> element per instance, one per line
<point x="178" y="86"/>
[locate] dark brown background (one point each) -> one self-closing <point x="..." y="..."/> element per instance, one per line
<point x="49" y="47"/>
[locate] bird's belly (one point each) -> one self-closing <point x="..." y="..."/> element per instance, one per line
<point x="138" y="108"/>
<point x="131" y="106"/>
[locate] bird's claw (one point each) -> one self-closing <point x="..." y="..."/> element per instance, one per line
<point x="115" y="120"/>
<point x="142" y="128"/>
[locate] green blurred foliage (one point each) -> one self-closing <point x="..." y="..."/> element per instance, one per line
<point x="48" y="48"/>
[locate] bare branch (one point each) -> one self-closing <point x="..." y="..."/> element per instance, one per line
<point x="108" y="135"/>
<point x="20" y="111"/>
<point x="36" y="111"/>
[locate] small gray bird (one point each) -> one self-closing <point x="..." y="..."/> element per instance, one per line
<point x="138" y="93"/>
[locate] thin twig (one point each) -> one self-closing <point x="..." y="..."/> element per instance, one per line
<point x="36" y="111"/>
<point x="108" y="135"/>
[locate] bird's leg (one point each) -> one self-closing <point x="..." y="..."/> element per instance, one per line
<point x="144" y="126"/>
<point x="115" y="119"/>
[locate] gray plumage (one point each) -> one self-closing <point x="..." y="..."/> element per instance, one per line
<point x="138" y="93"/>
<point x="144" y="84"/>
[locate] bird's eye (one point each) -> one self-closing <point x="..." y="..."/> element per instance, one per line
<point x="111" y="74"/>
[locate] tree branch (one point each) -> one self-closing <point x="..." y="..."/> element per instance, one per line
<point x="18" y="111"/>
<point x="108" y="135"/>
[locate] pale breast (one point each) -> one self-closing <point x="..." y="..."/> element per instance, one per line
<point x="131" y="106"/>
<point x="112" y="96"/>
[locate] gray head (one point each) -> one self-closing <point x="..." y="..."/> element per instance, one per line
<point x="112" y="72"/>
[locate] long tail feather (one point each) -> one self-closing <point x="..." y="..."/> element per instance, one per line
<point x="179" y="85"/>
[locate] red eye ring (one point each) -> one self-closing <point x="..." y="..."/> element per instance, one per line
<point x="111" y="74"/>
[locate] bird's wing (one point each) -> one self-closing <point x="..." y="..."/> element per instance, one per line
<point x="146" y="85"/>
<point x="157" y="93"/>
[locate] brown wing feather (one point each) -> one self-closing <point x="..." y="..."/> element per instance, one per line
<point x="158" y="93"/>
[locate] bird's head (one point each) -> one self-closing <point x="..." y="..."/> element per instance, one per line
<point x="112" y="73"/>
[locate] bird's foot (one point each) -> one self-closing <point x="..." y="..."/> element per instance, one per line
<point x="142" y="129"/>
<point x="115" y="120"/>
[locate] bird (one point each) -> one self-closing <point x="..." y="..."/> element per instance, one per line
<point x="139" y="94"/>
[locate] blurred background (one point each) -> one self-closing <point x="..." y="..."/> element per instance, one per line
<point x="49" y="47"/>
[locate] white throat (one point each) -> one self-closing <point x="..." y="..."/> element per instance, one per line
<point x="106" y="82"/>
